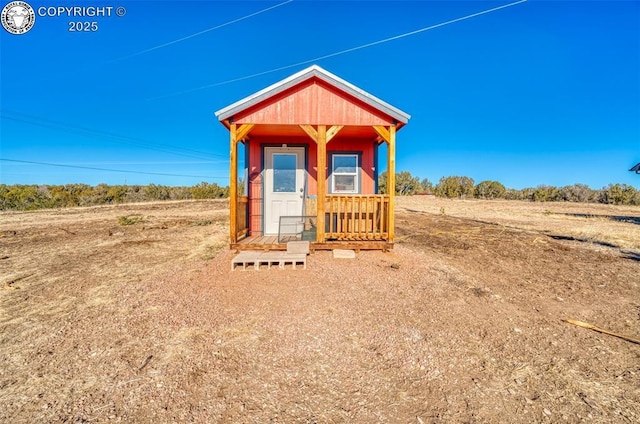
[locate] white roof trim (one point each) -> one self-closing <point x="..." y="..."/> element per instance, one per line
<point x="312" y="71"/>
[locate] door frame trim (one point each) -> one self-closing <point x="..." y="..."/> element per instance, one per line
<point x="263" y="159"/>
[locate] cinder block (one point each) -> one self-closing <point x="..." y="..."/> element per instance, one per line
<point x="343" y="254"/>
<point x="269" y="258"/>
<point x="244" y="259"/>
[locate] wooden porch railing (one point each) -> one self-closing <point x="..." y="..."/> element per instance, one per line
<point x="357" y="217"/>
<point x="242" y="211"/>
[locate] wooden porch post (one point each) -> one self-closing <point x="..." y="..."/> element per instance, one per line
<point x="233" y="185"/>
<point x="321" y="136"/>
<point x="391" y="179"/>
<point x="322" y="181"/>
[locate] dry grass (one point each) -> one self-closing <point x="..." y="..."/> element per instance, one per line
<point x="618" y="226"/>
<point x="462" y="322"/>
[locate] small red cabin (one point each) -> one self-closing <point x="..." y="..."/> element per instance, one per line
<point x="311" y="164"/>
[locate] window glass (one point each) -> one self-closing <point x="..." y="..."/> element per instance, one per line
<point x="284" y="173"/>
<point x="345" y="164"/>
<point x="344" y="183"/>
<point x="345" y="173"/>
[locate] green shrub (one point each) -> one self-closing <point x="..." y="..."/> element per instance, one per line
<point x="130" y="220"/>
<point x="490" y="190"/>
<point x="455" y="187"/>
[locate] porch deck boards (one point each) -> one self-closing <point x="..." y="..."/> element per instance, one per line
<point x="269" y="243"/>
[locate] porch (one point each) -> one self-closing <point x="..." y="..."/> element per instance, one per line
<point x="350" y="222"/>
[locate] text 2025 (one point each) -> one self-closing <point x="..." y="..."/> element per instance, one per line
<point x="83" y="26"/>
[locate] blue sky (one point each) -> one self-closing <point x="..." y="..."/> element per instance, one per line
<point x="541" y="92"/>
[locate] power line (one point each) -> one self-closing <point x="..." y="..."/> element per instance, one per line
<point x="71" y="128"/>
<point x="104" y="169"/>
<point x="144" y="163"/>
<point x="341" y="52"/>
<point x="200" y="32"/>
<point x="76" y="70"/>
<point x="31" y="119"/>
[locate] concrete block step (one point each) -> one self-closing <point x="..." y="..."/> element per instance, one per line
<point x="281" y="259"/>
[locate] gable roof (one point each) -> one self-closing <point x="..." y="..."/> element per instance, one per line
<point x="636" y="169"/>
<point x="313" y="71"/>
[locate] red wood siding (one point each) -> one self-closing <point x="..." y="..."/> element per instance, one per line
<point x="367" y="166"/>
<point x="313" y="102"/>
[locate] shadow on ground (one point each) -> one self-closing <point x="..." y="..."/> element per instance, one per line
<point x="618" y="218"/>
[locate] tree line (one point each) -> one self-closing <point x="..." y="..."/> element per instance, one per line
<point x="456" y="187"/>
<point x="31" y="197"/>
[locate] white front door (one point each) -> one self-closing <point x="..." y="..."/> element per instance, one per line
<point x="284" y="185"/>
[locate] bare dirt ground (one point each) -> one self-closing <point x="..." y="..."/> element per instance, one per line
<point x="130" y="313"/>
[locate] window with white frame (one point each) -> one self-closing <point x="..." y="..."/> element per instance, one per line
<point x="344" y="173"/>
